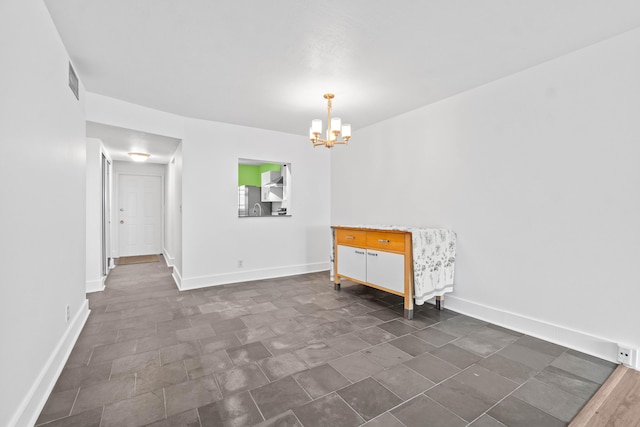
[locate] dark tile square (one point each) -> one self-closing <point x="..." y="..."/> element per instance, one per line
<point x="90" y="418"/>
<point x="578" y="386"/>
<point x="280" y="366"/>
<point x="434" y="336"/>
<point x="321" y="380"/>
<point x="185" y="419"/>
<point x="248" y="353"/>
<point x="412" y="345"/>
<point x="283" y="344"/>
<point x="397" y="328"/>
<point x="527" y="356"/>
<point x="229" y="325"/>
<point x="386" y="355"/>
<point x="515" y="371"/>
<point x="329" y="410"/>
<point x="279" y="396"/>
<point x="587" y="368"/>
<point x="235" y="410"/>
<point x="104" y="393"/>
<point x="537" y="344"/>
<point x="456" y="355"/>
<point x="317" y="354"/>
<point x="550" y="399"/>
<point x="384" y="314"/>
<point x="513" y="412"/>
<point x="460" y="325"/>
<point x="286" y="419"/>
<point x="374" y="335"/>
<point x="404" y="382"/>
<point x="58" y="406"/>
<point x="82" y="376"/>
<point x="432" y="368"/>
<point x="137" y="411"/>
<point x="207" y="364"/>
<point x="384" y="420"/>
<point x="416" y="411"/>
<point x="356" y="366"/>
<point x="191" y="394"/>
<point x="240" y="379"/>
<point x="219" y="342"/>
<point x="472" y="392"/>
<point x="156" y="377"/>
<point x="347" y="344"/>
<point x="369" y="398"/>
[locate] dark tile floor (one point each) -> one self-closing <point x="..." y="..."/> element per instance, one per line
<point x="294" y="352"/>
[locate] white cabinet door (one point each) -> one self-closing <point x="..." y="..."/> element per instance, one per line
<point x="352" y="262"/>
<point x="386" y="270"/>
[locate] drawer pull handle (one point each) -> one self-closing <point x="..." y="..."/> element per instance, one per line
<point x="371" y="254"/>
<point x="383" y="241"/>
<point x="349" y="237"/>
<point x="360" y="253"/>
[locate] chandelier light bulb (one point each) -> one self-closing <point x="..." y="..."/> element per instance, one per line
<point x="334" y="128"/>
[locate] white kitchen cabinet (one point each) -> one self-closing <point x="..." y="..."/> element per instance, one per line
<point x="353" y="262"/>
<point x="272" y="186"/>
<point x="381" y="259"/>
<point x="386" y="269"/>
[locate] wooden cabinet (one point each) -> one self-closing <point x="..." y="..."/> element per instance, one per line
<point x="381" y="259"/>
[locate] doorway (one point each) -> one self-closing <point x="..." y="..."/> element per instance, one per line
<point x="139" y="215"/>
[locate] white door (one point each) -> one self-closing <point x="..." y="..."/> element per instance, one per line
<point x="140" y="215"/>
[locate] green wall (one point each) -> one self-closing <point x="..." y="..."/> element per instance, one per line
<point x="250" y="175"/>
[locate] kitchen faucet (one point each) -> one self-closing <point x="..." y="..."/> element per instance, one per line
<point x="259" y="206"/>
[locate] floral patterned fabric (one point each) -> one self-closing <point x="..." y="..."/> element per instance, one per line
<point x="434" y="259"/>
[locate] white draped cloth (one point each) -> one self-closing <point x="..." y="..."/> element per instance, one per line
<point x="434" y="259"/>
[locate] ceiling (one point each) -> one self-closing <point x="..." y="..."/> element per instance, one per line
<point x="120" y="141"/>
<point x="266" y="64"/>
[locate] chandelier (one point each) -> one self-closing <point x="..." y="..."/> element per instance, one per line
<point x="334" y="129"/>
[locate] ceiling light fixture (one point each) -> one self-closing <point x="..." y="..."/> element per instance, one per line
<point x="139" y="157"/>
<point x="333" y="128"/>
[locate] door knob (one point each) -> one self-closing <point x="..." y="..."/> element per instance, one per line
<point x="122" y="221"/>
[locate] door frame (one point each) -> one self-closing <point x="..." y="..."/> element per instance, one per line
<point x="115" y="234"/>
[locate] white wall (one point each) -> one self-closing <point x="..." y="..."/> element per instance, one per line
<point x="42" y="219"/>
<point x="538" y="174"/>
<point x="214" y="238"/>
<point x="173" y="215"/>
<point x="93" y="273"/>
<point x="210" y="238"/>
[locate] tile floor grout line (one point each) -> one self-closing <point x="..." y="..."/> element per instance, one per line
<point x="256" y="403"/>
<point x="349" y="406"/>
<point x="164" y="397"/>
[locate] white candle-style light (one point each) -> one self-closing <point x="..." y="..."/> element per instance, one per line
<point x="334" y="128"/>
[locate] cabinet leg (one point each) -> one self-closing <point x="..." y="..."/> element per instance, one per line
<point x="440" y="302"/>
<point x="336" y="286"/>
<point x="408" y="314"/>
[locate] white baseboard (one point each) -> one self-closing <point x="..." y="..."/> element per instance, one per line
<point x="31" y="406"/>
<point x="168" y="259"/>
<point x="586" y="343"/>
<point x="95" y="285"/>
<point x="177" y="278"/>
<point x="248" y="275"/>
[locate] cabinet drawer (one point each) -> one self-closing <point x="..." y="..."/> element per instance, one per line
<point x="385" y="241"/>
<point x="351" y="237"/>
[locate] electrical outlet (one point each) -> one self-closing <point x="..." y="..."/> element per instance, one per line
<point x="240" y="263"/>
<point x="627" y="356"/>
<point x="68" y="312"/>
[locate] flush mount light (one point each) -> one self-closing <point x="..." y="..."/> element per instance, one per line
<point x="334" y="128"/>
<point x="139" y="157"/>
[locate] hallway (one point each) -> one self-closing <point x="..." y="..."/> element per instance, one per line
<point x="293" y="352"/>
